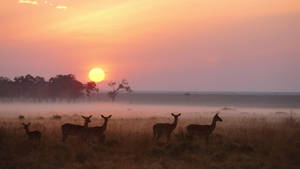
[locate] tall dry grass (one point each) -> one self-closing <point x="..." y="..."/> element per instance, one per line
<point x="241" y="142"/>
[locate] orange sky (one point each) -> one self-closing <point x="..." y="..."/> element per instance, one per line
<point x="246" y="45"/>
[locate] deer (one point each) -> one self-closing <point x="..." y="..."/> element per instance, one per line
<point x="160" y="129"/>
<point x="98" y="131"/>
<point x="73" y="129"/>
<point x="32" y="135"/>
<point x="203" y="130"/>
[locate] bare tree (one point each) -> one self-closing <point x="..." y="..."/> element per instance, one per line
<point x="118" y="88"/>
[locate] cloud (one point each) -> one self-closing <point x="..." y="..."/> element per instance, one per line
<point x="46" y="2"/>
<point x="61" y="7"/>
<point x="28" y="2"/>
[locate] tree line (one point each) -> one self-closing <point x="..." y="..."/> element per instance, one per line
<point x="37" y="88"/>
<point x="60" y="87"/>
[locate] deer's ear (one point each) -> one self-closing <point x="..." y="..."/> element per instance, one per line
<point x="109" y="116"/>
<point x="83" y="117"/>
<point x="90" y="116"/>
<point x="179" y="114"/>
<point x="102" y="116"/>
<point x="172" y="114"/>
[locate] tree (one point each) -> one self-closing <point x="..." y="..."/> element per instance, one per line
<point x="41" y="87"/>
<point x="24" y="86"/>
<point x="6" y="87"/>
<point x="122" y="86"/>
<point x="90" y="87"/>
<point x="65" y="86"/>
<point x="37" y="88"/>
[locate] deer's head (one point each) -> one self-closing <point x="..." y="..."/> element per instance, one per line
<point x="106" y="118"/>
<point x="87" y="119"/>
<point x="26" y="125"/>
<point x="217" y="118"/>
<point x="175" y="115"/>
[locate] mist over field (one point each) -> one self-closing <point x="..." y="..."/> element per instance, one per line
<point x="144" y="105"/>
<point x="138" y="110"/>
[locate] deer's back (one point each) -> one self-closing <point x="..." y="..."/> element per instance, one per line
<point x="71" y="128"/>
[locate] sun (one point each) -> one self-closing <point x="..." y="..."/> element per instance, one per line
<point x="97" y="74"/>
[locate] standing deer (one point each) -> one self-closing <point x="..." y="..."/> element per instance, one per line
<point x="98" y="132"/>
<point x="32" y="135"/>
<point x="73" y="129"/>
<point x="203" y="130"/>
<point x="160" y="129"/>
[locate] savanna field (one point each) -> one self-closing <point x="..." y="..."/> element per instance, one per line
<point x="246" y="139"/>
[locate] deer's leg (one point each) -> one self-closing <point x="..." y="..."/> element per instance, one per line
<point x="158" y="136"/>
<point x="39" y="139"/>
<point x="102" y="138"/>
<point x="169" y="136"/>
<point x="189" y="136"/>
<point x="154" y="134"/>
<point x="207" y="139"/>
<point x="85" y="139"/>
<point x="65" y="136"/>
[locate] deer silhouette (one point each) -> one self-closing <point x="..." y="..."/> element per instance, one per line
<point x="32" y="135"/>
<point x="73" y="129"/>
<point x="160" y="129"/>
<point x="203" y="130"/>
<point x="98" y="132"/>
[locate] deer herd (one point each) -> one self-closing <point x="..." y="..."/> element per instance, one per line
<point x="159" y="129"/>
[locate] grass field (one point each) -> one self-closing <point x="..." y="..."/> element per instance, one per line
<point x="241" y="141"/>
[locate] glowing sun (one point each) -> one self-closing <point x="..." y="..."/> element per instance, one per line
<point x="97" y="74"/>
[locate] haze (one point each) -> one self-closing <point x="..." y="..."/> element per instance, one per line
<point x="215" y="45"/>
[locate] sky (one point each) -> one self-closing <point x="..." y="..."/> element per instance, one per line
<point x="186" y="45"/>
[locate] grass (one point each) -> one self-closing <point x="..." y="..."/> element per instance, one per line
<point x="240" y="142"/>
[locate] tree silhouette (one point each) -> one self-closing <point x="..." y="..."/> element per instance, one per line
<point x="7" y="88"/>
<point x="122" y="86"/>
<point x="89" y="87"/>
<point x="65" y="86"/>
<point x="37" y="88"/>
<point x="40" y="88"/>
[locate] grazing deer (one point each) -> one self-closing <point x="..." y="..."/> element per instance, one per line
<point x="73" y="129"/>
<point x="32" y="135"/>
<point x="203" y="130"/>
<point x="160" y="129"/>
<point x="98" y="131"/>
